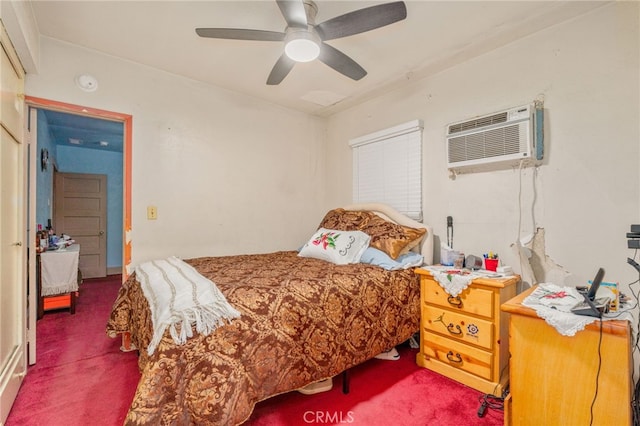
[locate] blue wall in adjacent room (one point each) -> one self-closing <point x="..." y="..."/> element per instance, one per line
<point x="44" y="178"/>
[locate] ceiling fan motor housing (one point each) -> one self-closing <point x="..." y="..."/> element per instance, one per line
<point x="312" y="10"/>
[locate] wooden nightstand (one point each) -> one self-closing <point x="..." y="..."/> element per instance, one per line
<point x="466" y="337"/>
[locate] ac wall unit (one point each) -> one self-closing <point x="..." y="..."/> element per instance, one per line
<point x="493" y="141"/>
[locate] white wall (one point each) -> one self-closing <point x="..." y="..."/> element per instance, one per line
<point x="587" y="192"/>
<point x="228" y="173"/>
<point x="221" y="166"/>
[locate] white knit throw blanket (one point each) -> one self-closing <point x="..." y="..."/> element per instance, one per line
<point x="180" y="297"/>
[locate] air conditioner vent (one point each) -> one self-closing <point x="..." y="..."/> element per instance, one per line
<point x="478" y="122"/>
<point x="503" y="138"/>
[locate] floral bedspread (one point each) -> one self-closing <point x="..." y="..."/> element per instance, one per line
<point x="302" y="320"/>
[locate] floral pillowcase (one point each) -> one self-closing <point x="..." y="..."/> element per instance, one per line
<point x="335" y="246"/>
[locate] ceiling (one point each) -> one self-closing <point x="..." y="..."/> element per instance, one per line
<point x="161" y="34"/>
<point x="85" y="132"/>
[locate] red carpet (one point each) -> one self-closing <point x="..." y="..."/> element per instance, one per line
<point x="81" y="378"/>
<point x="381" y="393"/>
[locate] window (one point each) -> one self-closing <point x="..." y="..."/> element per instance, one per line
<point x="387" y="168"/>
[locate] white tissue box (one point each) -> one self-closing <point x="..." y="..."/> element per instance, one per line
<point x="448" y="256"/>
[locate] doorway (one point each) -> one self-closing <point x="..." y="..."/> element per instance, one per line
<point x="97" y="146"/>
<point x="42" y="159"/>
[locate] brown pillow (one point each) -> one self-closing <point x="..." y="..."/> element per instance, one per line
<point x="392" y="238"/>
<point x="389" y="237"/>
<point x="343" y="220"/>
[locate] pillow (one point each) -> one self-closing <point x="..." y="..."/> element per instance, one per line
<point x="392" y="238"/>
<point x="344" y="220"/>
<point x="336" y="246"/>
<point x="389" y="237"/>
<point x="373" y="256"/>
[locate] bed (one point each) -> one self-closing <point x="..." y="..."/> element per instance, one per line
<point x="302" y="319"/>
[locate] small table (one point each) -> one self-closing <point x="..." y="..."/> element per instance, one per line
<point x="58" y="279"/>
<point x="553" y="377"/>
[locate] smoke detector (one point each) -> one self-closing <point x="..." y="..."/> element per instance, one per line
<point x="86" y="82"/>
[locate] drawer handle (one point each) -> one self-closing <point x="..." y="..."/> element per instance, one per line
<point x="455" y="301"/>
<point x="454" y="358"/>
<point x="454" y="329"/>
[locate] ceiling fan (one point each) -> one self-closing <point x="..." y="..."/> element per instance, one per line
<point x="305" y="40"/>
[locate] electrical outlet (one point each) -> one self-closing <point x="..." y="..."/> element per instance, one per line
<point x="152" y="212"/>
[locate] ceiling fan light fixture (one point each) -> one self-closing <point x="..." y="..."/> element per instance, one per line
<point x="302" y="45"/>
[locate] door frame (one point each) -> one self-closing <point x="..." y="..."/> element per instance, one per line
<point x="127" y="120"/>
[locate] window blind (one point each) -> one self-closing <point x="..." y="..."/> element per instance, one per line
<point x="387" y="168"/>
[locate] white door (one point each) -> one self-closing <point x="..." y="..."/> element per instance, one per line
<point x="13" y="287"/>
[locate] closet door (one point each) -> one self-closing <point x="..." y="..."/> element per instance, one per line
<point x="13" y="244"/>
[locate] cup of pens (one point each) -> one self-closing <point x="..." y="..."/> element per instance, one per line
<point x="491" y="261"/>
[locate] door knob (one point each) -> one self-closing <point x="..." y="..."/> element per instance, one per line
<point x="19" y="244"/>
<point x="101" y="233"/>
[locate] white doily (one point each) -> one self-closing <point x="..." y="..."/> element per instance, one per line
<point x="553" y="304"/>
<point x="455" y="281"/>
<point x="452" y="281"/>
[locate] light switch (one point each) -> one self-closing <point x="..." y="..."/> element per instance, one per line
<point x="152" y="212"/>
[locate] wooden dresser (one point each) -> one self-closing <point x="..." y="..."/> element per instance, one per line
<point x="466" y="337"/>
<point x="553" y="377"/>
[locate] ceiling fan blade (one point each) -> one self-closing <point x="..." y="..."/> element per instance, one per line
<point x="341" y="62"/>
<point x="293" y="12"/>
<point x="280" y="70"/>
<point x="240" y="34"/>
<point x="362" y="20"/>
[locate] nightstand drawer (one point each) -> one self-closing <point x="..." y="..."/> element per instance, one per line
<point x="458" y="326"/>
<point x="476" y="301"/>
<point x="458" y="355"/>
